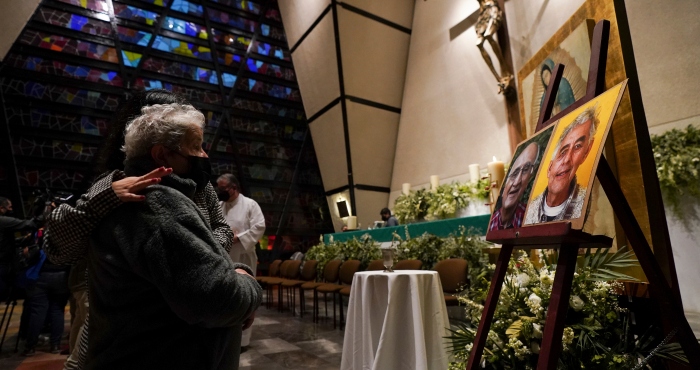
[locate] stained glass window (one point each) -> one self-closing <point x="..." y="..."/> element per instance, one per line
<point x="184" y="6"/>
<point x="133" y="36"/>
<point x="272" y="32"/>
<point x="185" y="28"/>
<point x="275" y="91"/>
<point x="226" y="39"/>
<point x="193" y="95"/>
<point x="135" y="14"/>
<point x="267" y="108"/>
<point x="269" y="173"/>
<point x="268" y="150"/>
<point x="46" y="119"/>
<point x="271" y="51"/>
<point x="268" y="195"/>
<point x="96" y="5"/>
<point x="169" y="45"/>
<point x="67" y="45"/>
<point x="58" y="149"/>
<point x="246" y="5"/>
<point x="221" y="167"/>
<point x="269" y="69"/>
<point x="185" y="70"/>
<point x="131" y="59"/>
<point x="228" y="59"/>
<point x="241" y="23"/>
<point x="61" y="94"/>
<point x="73" y="22"/>
<point x="63" y="69"/>
<point x="54" y="178"/>
<point x="163" y="3"/>
<point x="273" y="14"/>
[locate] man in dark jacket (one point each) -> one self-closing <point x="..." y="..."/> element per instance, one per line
<point x="164" y="294"/>
<point x="8" y="226"/>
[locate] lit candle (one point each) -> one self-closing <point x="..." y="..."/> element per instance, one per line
<point x="406" y="188"/>
<point x="475" y="172"/>
<point x="497" y="171"/>
<point x="434" y="182"/>
<point x="352" y="222"/>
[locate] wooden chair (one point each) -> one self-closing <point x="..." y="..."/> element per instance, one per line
<point x="330" y="275"/>
<point x="375" y="265"/>
<point x="408" y="265"/>
<point x="308" y="274"/>
<point x="290" y="273"/>
<point x="274" y="273"/>
<point x="347" y="271"/>
<point x="453" y="276"/>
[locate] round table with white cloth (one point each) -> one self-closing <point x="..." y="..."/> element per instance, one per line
<point x="396" y="320"/>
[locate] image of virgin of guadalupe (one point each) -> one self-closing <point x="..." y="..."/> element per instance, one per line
<point x="565" y="94"/>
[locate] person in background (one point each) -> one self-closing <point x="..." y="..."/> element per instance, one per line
<point x="247" y="222"/>
<point x="67" y="241"/>
<point x="164" y="294"/>
<point x="8" y="226"/>
<point x="388" y="218"/>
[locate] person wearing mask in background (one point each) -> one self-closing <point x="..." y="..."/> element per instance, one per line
<point x="388" y="218"/>
<point x="67" y="241"/>
<point x="164" y="294"/>
<point x="247" y="222"/>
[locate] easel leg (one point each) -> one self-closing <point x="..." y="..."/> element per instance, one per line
<point x="558" y="306"/>
<point x="661" y="289"/>
<point x="490" y="307"/>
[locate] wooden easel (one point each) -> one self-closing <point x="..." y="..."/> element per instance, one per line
<point x="568" y="241"/>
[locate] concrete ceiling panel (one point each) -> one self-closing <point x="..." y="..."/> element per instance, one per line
<point x="316" y="66"/>
<point x="298" y="16"/>
<point x="396" y="11"/>
<point x="374" y="58"/>
<point x="328" y="137"/>
<point x="373" y="133"/>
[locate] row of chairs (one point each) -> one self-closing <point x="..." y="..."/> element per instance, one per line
<point x="337" y="278"/>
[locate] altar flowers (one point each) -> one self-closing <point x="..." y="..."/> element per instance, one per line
<point x="597" y="334"/>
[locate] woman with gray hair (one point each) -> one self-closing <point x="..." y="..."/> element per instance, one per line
<point x="164" y="293"/>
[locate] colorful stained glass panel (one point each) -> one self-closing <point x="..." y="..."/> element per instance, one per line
<point x="57" y="68"/>
<point x="46" y="119"/>
<point x="184" y="6"/>
<point x="241" y="23"/>
<point x="96" y="5"/>
<point x="269" y="69"/>
<point x="275" y="91"/>
<point x="73" y="21"/>
<point x="271" y="51"/>
<point x="69" y="45"/>
<point x="169" y="45"/>
<point x="185" y="28"/>
<point x="61" y="94"/>
<point x="246" y="5"/>
<point x="135" y="14"/>
<point x="133" y="36"/>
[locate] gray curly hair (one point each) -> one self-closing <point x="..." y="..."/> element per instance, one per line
<point x="163" y="124"/>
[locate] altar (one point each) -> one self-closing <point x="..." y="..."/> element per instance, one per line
<point x="441" y="228"/>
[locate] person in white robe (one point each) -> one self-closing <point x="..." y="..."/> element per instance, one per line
<point x="248" y="224"/>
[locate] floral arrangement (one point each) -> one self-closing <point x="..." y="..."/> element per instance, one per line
<point x="677" y="155"/>
<point x="597" y="334"/>
<point x="427" y="248"/>
<point x="442" y="203"/>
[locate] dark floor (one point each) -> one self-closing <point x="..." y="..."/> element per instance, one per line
<point x="279" y="341"/>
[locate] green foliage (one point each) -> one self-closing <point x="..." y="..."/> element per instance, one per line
<point x="427" y="248"/>
<point x="442" y="203"/>
<point x="597" y="333"/>
<point x="677" y="156"/>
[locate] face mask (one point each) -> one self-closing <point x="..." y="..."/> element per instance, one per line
<point x="223" y="195"/>
<point x="200" y="170"/>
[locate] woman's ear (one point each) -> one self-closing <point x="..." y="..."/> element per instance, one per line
<point x="158" y="153"/>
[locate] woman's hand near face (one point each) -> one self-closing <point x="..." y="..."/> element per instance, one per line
<point x="126" y="189"/>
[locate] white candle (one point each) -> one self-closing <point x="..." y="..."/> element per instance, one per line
<point x="352" y="222"/>
<point x="475" y="172"/>
<point x="406" y="188"/>
<point x="434" y="182"/>
<point x="497" y="171"/>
